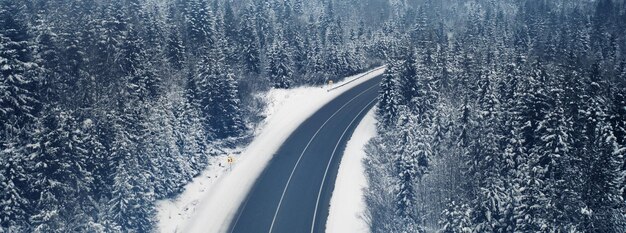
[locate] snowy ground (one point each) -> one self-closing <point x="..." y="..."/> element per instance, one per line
<point x="347" y="204"/>
<point x="210" y="201"/>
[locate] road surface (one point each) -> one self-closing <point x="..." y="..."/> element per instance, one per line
<point x="293" y="192"/>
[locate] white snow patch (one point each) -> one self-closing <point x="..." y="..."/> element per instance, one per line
<point x="347" y="204"/>
<point x="172" y="212"/>
<point x="210" y="201"/>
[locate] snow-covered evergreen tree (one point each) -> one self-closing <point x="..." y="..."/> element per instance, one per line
<point x="390" y="95"/>
<point x="19" y="84"/>
<point x="14" y="200"/>
<point x="131" y="206"/>
<point x="175" y="50"/>
<point x="280" y="65"/>
<point x="199" y="25"/>
<point x="601" y="192"/>
<point x="457" y="219"/>
<point x="61" y="155"/>
<point x="249" y="42"/>
<point x="556" y="158"/>
<point x="230" y="122"/>
<point x="412" y="153"/>
<point x="518" y="106"/>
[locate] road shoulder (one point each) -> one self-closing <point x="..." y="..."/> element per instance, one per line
<point x="211" y="200"/>
<point x="347" y="204"/>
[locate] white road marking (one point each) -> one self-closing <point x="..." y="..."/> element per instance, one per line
<point x="305" y="148"/>
<point x="319" y="194"/>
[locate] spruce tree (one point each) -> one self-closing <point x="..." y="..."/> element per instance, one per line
<point x="60" y="157"/>
<point x="15" y="201"/>
<point x="412" y="153"/>
<point x="485" y="164"/>
<point x="280" y="65"/>
<point x="456" y="219"/>
<point x="601" y="194"/>
<point x="249" y="42"/>
<point x="390" y="96"/>
<point x="230" y="122"/>
<point x="231" y="33"/>
<point x="48" y="58"/>
<point x="199" y="26"/>
<point x="175" y="50"/>
<point x="169" y="163"/>
<point x="554" y="161"/>
<point x="131" y="206"/>
<point x="74" y="71"/>
<point x="20" y="82"/>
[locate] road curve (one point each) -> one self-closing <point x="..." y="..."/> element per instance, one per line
<point x="293" y="192"/>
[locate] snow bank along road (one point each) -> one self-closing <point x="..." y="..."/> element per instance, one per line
<point x="347" y="205"/>
<point x="211" y="206"/>
<point x="293" y="192"/>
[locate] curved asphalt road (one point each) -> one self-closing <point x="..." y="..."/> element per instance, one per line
<point x="293" y="194"/>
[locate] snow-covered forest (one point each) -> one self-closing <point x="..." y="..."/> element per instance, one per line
<point x="108" y="106"/>
<point x="502" y="116"/>
<point x="494" y="115"/>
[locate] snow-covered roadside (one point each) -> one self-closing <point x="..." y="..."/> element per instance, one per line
<point x="347" y="203"/>
<point x="210" y="201"/>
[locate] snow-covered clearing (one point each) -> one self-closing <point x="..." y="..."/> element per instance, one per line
<point x="211" y="200"/>
<point x="347" y="203"/>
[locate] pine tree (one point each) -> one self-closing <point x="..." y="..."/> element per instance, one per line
<point x="48" y="58"/>
<point x="298" y="7"/>
<point x="19" y="106"/>
<point x="74" y="69"/>
<point x="15" y="203"/>
<point x="534" y="103"/>
<point x="108" y="35"/>
<point x="216" y="92"/>
<point x="602" y="195"/>
<point x="280" y="65"/>
<point x="485" y="164"/>
<point x="467" y="70"/>
<point x="151" y="31"/>
<point x="408" y="78"/>
<point x="175" y="50"/>
<point x="205" y="89"/>
<point x="249" y="42"/>
<point x="338" y="61"/>
<point x="529" y="209"/>
<point x="457" y="219"/>
<point x="513" y="158"/>
<point x="19" y="84"/>
<point x="231" y="33"/>
<point x="265" y="17"/>
<point x="412" y="153"/>
<point x="390" y="96"/>
<point x="190" y="136"/>
<point x="315" y="65"/>
<point x="554" y="160"/>
<point x="466" y="125"/>
<point x="169" y="170"/>
<point x="141" y="81"/>
<point x="300" y="55"/>
<point x="618" y="113"/>
<point x="230" y="122"/>
<point x="59" y="159"/>
<point x="199" y="26"/>
<point x="95" y="142"/>
<point x="425" y="93"/>
<point x="132" y="204"/>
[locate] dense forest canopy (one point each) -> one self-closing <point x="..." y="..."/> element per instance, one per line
<point x="495" y="116"/>
<point x="108" y="106"/>
<point x="503" y="116"/>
